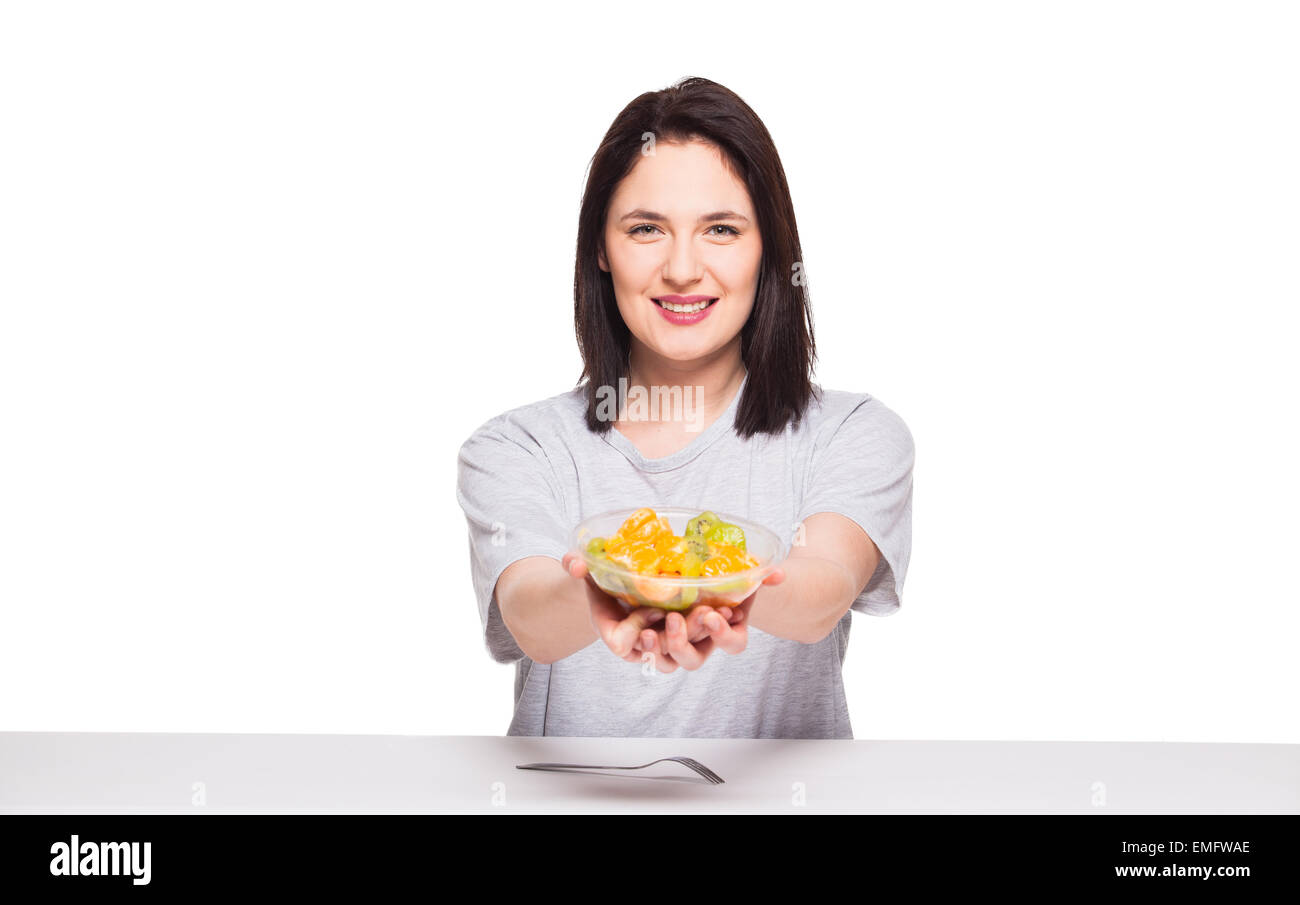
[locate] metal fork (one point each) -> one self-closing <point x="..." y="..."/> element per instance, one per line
<point x="689" y="762"/>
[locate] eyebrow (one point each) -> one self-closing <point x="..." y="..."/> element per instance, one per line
<point x="643" y="214"/>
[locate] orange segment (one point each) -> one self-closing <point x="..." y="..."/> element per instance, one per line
<point x="635" y="521"/>
<point x="650" y="530"/>
<point x="653" y="589"/>
<point x="636" y="556"/>
<point x="714" y="566"/>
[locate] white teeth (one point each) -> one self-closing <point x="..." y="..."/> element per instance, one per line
<point x="685" y="309"/>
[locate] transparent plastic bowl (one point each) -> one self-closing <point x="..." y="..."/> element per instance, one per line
<point x="674" y="592"/>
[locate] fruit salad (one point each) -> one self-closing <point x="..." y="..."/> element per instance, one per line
<point x="645" y="544"/>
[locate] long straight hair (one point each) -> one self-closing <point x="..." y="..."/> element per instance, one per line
<point x="777" y="345"/>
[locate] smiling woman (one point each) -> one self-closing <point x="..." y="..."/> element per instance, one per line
<point x="687" y="183"/>
<point x="688" y="279"/>
<point x="644" y="250"/>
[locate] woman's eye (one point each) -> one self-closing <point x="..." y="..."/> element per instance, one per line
<point x="649" y="229"/>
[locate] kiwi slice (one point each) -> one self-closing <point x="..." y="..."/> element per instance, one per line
<point x="727" y="533"/>
<point x="696" y="544"/>
<point x="702" y="524"/>
<point x="692" y="564"/>
<point x="697" y="551"/>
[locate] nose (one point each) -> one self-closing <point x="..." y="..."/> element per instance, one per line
<point x="682" y="267"/>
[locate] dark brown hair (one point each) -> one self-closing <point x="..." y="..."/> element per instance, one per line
<point x="776" y="344"/>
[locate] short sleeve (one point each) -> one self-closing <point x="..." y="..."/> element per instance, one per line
<point x="507" y="490"/>
<point x="864" y="472"/>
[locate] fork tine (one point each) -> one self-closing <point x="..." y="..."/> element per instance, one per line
<point x="700" y="768"/>
<point x="701" y="773"/>
<point x="692" y="765"/>
<point x="689" y="763"/>
<point x="707" y="770"/>
<point x="714" y="775"/>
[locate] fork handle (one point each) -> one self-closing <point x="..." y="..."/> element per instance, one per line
<point x="572" y="767"/>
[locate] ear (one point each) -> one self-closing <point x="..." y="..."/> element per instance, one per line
<point x="600" y="258"/>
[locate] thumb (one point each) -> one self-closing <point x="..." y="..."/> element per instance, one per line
<point x="574" y="565"/>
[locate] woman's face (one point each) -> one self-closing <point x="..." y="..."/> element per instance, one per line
<point x="681" y="233"/>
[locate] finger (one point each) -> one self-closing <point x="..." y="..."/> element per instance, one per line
<point x="625" y="634"/>
<point x="695" y="628"/>
<point x="729" y="614"/>
<point x="655" y="641"/>
<point x="568" y="561"/>
<point x="618" y="628"/>
<point x="777" y="576"/>
<point x="680" y="648"/>
<point x="729" y="638"/>
<point x="642" y="654"/>
<point x="660" y="642"/>
<point x="646" y="640"/>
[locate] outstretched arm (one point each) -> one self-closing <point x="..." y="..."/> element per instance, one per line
<point x="822" y="578"/>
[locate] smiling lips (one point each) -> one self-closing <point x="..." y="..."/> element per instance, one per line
<point x="684" y="309"/>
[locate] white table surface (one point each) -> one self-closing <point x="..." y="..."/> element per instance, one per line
<point x="157" y="773"/>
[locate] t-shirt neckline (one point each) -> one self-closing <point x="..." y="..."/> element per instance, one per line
<point x="721" y="425"/>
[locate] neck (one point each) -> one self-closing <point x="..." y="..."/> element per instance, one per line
<point x="718" y="376"/>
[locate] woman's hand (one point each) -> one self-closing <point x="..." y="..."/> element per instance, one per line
<point x="616" y="626"/>
<point x="683" y="640"/>
<point x="687" y="641"/>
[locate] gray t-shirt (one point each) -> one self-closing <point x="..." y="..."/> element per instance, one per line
<point x="528" y="476"/>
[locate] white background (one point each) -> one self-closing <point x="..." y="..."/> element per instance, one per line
<point x="264" y="266"/>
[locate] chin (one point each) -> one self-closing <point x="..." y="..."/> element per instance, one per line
<point x="686" y="351"/>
